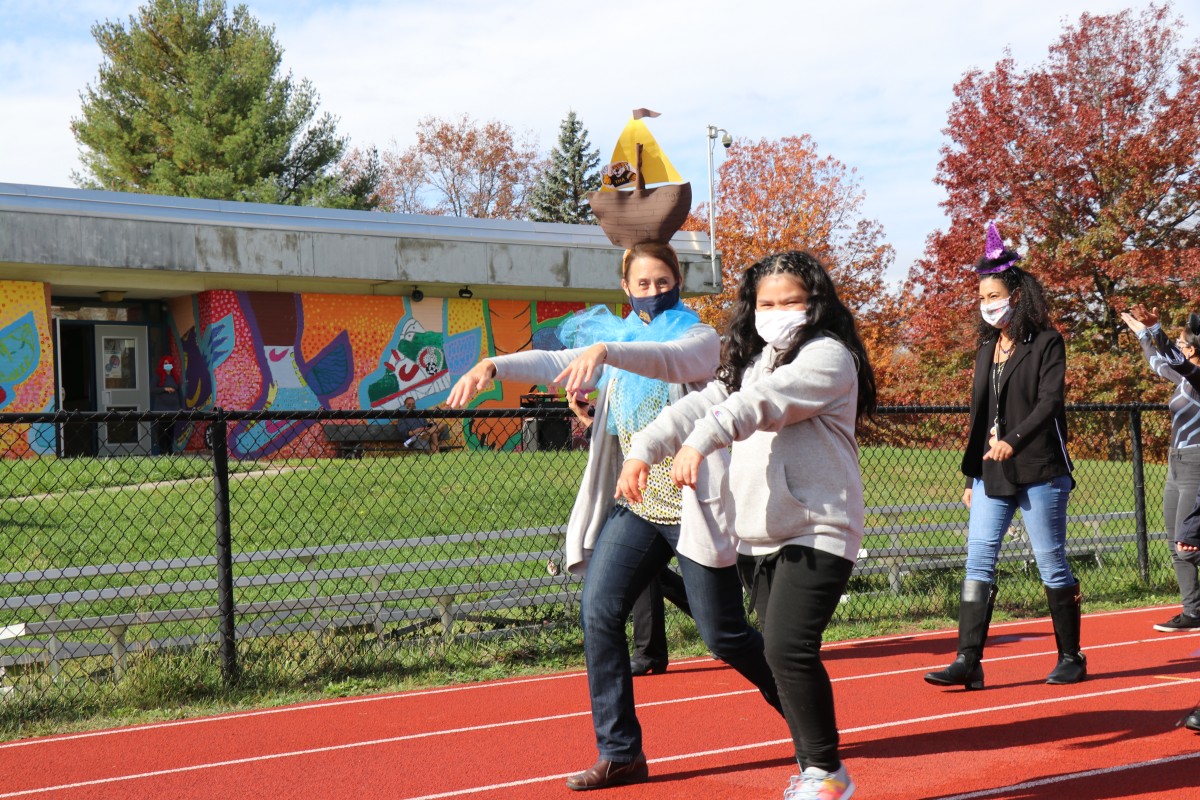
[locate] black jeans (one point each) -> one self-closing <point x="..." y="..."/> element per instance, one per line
<point x="796" y="592"/>
<point x="649" y="616"/>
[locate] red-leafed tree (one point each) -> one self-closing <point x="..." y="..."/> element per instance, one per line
<point x="462" y="168"/>
<point x="1090" y="164"/>
<point x="778" y="195"/>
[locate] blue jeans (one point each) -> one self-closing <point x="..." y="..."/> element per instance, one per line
<point x="629" y="553"/>
<point x="1044" y="511"/>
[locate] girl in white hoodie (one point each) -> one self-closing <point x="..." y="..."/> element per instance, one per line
<point x="794" y="378"/>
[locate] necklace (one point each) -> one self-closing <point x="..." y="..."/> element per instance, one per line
<point x="997" y="374"/>
<point x="1005" y="351"/>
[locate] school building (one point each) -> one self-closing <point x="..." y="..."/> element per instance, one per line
<point x="272" y="307"/>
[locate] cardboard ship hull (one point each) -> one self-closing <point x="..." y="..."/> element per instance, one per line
<point x="632" y="216"/>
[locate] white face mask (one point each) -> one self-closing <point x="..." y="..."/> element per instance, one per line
<point x="776" y="327"/>
<point x="998" y="313"/>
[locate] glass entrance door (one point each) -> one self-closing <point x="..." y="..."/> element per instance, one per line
<point x="123" y="384"/>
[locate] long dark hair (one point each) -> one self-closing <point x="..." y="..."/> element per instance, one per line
<point x="1030" y="313"/>
<point x="827" y="316"/>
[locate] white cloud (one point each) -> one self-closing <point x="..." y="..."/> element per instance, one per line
<point x="870" y="81"/>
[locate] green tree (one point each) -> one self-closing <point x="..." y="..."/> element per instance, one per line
<point x="189" y="101"/>
<point x="560" y="195"/>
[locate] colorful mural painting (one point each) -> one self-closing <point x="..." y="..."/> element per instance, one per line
<point x="281" y="351"/>
<point x="26" y="365"/>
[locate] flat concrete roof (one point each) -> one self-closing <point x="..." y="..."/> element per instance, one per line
<point x="82" y="241"/>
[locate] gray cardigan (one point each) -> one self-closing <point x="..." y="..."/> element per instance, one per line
<point x="794" y="476"/>
<point x="687" y="363"/>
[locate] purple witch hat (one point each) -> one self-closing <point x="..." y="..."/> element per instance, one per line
<point x="993" y="250"/>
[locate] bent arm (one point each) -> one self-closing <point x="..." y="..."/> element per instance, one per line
<point x="692" y="358"/>
<point x="665" y="435"/>
<point x="821" y="376"/>
<point x="1050" y="391"/>
<point x="1165" y="359"/>
<point x="535" y="366"/>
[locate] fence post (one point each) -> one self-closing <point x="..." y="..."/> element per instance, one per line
<point x="225" y="615"/>
<point x="1139" y="494"/>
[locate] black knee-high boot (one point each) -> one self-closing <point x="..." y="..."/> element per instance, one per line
<point x="1065" y="613"/>
<point x="974" y="616"/>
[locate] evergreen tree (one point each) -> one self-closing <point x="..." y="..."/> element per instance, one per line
<point x="189" y="101"/>
<point x="561" y="192"/>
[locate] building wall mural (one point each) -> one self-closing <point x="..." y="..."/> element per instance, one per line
<point x="26" y="364"/>
<point x="281" y="351"/>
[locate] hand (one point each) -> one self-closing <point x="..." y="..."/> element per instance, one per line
<point x="1186" y="548"/>
<point x="1132" y="322"/>
<point x="471" y="384"/>
<point x="575" y="403"/>
<point x="1147" y="318"/>
<point x="635" y="474"/>
<point x="1000" y="451"/>
<point x="966" y="498"/>
<point x="581" y="370"/>
<point x="685" y="467"/>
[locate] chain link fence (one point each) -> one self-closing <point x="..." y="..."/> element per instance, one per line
<point x="284" y="549"/>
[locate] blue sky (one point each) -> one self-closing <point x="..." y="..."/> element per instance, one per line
<point x="869" y="80"/>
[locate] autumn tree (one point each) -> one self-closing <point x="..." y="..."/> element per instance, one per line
<point x="560" y="194"/>
<point x="783" y="194"/>
<point x="462" y="168"/>
<point x="189" y="101"/>
<point x="1090" y="164"/>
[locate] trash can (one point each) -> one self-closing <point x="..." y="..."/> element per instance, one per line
<point x="545" y="434"/>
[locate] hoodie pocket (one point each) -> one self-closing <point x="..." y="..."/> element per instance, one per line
<point x="787" y="513"/>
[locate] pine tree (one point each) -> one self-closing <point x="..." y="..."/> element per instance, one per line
<point x="189" y="101"/>
<point x="561" y="193"/>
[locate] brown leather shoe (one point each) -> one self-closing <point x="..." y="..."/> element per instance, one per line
<point x="604" y="774"/>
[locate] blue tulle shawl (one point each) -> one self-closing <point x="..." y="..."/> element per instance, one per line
<point x="638" y="405"/>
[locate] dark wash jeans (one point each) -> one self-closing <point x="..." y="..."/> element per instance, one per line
<point x="629" y="553"/>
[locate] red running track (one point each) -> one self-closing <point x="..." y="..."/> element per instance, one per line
<point x="707" y="735"/>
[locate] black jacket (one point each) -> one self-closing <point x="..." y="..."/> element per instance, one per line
<point x="1032" y="418"/>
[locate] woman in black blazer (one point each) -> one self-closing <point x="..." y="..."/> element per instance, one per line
<point x="1016" y="457"/>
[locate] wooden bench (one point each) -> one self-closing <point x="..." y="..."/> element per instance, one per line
<point x="40" y="627"/>
<point x="899" y="559"/>
<point x="354" y="439"/>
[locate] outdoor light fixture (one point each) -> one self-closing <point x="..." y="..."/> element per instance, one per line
<point x="727" y="142"/>
<point x="465" y="293"/>
<point x="111" y="296"/>
<point x="417" y="295"/>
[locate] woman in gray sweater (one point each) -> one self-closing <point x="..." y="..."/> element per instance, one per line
<point x="793" y="381"/>
<point x="639" y="364"/>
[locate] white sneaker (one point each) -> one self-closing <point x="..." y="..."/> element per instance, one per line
<point x="817" y="784"/>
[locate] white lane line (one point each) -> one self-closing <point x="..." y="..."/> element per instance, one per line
<point x="779" y="742"/>
<point x="1016" y="623"/>
<point x="1073" y="776"/>
<point x="334" y="704"/>
<point x="544" y="778"/>
<point x="263" y="712"/>
<point x="1018" y="657"/>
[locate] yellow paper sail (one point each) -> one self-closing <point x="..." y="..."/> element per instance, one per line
<point x="656" y="167"/>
